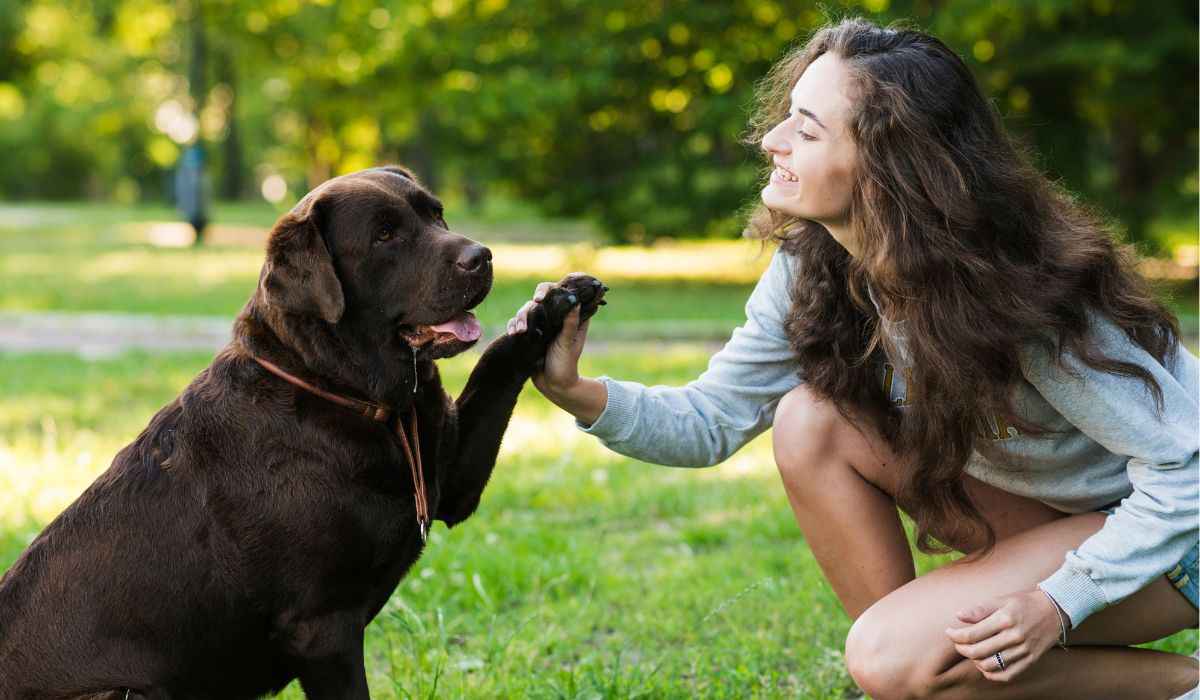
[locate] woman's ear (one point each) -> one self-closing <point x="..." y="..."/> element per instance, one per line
<point x="298" y="275"/>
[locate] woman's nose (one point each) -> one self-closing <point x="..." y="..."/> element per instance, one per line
<point x="774" y="142"/>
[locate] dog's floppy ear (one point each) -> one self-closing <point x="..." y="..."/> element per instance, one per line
<point x="298" y="275"/>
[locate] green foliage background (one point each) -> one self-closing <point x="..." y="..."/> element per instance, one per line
<point x="626" y="113"/>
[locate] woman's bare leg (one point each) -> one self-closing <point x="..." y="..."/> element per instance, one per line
<point x="851" y="525"/>
<point x="893" y="653"/>
<point x="840" y="482"/>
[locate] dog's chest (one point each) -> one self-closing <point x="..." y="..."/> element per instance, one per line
<point x="402" y="467"/>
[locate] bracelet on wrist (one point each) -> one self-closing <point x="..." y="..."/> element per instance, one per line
<point x="1062" y="623"/>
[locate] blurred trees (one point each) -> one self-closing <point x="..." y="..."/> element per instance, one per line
<point x="628" y="113"/>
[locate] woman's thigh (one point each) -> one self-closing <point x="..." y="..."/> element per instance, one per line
<point x="1032" y="542"/>
<point x="1007" y="513"/>
<point x="915" y="616"/>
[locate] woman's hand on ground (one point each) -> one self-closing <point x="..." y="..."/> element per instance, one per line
<point x="1020" y="627"/>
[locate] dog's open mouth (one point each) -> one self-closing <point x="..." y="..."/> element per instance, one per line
<point x="463" y="328"/>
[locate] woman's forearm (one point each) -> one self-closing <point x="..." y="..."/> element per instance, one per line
<point x="585" y="399"/>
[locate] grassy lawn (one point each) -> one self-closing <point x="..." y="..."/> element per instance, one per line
<point x="583" y="575"/>
<point x="96" y="259"/>
<point x="81" y="258"/>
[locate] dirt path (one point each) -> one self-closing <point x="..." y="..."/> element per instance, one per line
<point x="107" y="334"/>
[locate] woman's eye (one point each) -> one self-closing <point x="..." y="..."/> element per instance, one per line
<point x="806" y="137"/>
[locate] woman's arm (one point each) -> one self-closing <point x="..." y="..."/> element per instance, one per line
<point x="707" y="420"/>
<point x="1156" y="525"/>
<point x="585" y="399"/>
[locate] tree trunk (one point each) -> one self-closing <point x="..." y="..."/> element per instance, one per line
<point x="1134" y="180"/>
<point x="198" y="86"/>
<point x="232" y="186"/>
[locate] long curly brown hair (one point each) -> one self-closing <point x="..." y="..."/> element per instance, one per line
<point x="965" y="240"/>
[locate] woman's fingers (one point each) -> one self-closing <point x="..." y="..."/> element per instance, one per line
<point x="561" y="354"/>
<point x="564" y="353"/>
<point x="562" y="357"/>
<point x="519" y="322"/>
<point x="571" y="331"/>
<point x="976" y="613"/>
<point x="988" y="647"/>
<point x="987" y="626"/>
<point x="1016" y="660"/>
<point x="995" y="631"/>
<point x="523" y="315"/>
<point x="569" y="328"/>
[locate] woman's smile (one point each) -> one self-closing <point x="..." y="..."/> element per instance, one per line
<point x="783" y="176"/>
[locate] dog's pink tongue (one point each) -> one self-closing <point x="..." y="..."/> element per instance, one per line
<point x="464" y="327"/>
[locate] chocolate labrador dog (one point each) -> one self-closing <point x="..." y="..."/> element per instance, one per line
<point x="264" y="517"/>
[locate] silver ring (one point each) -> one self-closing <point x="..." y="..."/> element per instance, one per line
<point x="1000" y="660"/>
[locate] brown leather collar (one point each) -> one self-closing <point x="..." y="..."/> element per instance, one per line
<point x="381" y="413"/>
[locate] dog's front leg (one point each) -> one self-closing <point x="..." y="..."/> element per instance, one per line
<point x="486" y="404"/>
<point x="340" y="675"/>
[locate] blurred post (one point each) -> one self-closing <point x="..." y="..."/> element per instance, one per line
<point x="190" y="192"/>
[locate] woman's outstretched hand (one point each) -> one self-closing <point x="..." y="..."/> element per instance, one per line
<point x="561" y="371"/>
<point x="559" y="379"/>
<point x="1019" y="628"/>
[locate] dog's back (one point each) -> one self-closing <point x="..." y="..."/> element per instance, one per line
<point x="135" y="577"/>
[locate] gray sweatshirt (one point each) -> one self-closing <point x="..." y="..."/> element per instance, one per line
<point x="1111" y="446"/>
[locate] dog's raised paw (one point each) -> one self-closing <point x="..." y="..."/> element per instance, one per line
<point x="575" y="289"/>
<point x="545" y="320"/>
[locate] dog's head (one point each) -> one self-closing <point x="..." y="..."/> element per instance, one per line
<point x="371" y="249"/>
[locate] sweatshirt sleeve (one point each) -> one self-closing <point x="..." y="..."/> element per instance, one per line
<point x="1156" y="525"/>
<point x="734" y="400"/>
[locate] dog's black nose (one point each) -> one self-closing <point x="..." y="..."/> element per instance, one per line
<point x="474" y="257"/>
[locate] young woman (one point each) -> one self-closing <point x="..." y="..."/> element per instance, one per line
<point x="944" y="329"/>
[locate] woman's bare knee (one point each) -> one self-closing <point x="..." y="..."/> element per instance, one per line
<point x="878" y="658"/>
<point x="802" y="436"/>
<point x="811" y="434"/>
<point x="882" y="658"/>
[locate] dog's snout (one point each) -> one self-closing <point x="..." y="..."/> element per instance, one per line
<point x="474" y="257"/>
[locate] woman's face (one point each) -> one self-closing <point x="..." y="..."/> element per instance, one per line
<point x="813" y="151"/>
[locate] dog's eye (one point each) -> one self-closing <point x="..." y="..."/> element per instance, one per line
<point x="385" y="235"/>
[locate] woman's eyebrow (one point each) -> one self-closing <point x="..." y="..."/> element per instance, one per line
<point x="811" y="116"/>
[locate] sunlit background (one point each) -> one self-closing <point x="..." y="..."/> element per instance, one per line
<point x="587" y="135"/>
<point x="626" y="114"/>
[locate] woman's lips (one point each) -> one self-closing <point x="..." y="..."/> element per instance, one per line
<point x="783" y="176"/>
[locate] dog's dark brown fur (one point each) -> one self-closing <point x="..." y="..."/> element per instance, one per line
<point x="252" y="530"/>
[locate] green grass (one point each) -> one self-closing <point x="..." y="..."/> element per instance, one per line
<point x="583" y="575"/>
<point x="98" y="258"/>
<point x="81" y="259"/>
